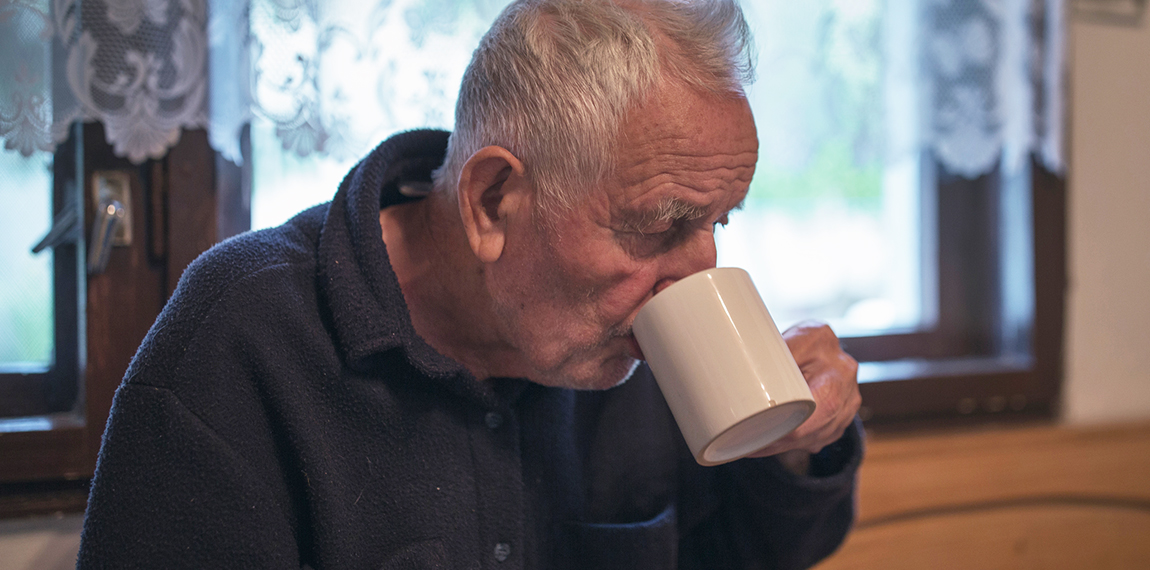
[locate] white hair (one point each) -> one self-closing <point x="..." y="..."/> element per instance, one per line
<point x="552" y="82"/>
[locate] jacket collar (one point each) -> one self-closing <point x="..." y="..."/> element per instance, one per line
<point x="355" y="276"/>
<point x="370" y="317"/>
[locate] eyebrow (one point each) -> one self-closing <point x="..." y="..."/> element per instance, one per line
<point x="670" y="209"/>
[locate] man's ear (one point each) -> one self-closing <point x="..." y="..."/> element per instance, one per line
<point x="492" y="187"/>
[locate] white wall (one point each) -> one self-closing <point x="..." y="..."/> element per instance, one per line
<point x="1108" y="311"/>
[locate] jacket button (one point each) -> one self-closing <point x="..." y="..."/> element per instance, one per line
<point x="493" y="420"/>
<point x="502" y="551"/>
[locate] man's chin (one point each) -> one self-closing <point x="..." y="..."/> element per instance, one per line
<point x="628" y="370"/>
<point x="600" y="375"/>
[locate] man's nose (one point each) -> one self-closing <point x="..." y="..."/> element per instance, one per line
<point x="692" y="257"/>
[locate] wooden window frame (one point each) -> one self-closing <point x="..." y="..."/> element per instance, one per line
<point x="963" y="371"/>
<point x="193" y="195"/>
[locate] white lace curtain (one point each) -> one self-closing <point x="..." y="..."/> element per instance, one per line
<point x="334" y="77"/>
<point x="137" y="66"/>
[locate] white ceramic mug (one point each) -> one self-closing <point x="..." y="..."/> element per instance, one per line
<point x="722" y="365"/>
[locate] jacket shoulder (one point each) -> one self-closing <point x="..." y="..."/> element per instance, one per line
<point x="239" y="276"/>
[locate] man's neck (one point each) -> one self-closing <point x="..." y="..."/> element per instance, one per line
<point x="443" y="283"/>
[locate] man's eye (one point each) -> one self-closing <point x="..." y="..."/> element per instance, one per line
<point x="659" y="229"/>
<point x="654" y="239"/>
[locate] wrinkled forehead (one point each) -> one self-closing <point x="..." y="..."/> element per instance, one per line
<point x="687" y="157"/>
<point x="680" y="155"/>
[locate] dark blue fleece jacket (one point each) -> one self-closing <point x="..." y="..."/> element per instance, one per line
<point x="283" y="413"/>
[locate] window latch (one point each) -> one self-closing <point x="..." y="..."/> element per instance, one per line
<point x="65" y="229"/>
<point x="109" y="219"/>
<point x="112" y="225"/>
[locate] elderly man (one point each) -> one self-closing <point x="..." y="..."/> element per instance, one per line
<point x="436" y="369"/>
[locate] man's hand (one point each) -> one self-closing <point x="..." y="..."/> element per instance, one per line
<point x="833" y="378"/>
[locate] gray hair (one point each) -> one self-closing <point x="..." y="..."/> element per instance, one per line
<point x="553" y="80"/>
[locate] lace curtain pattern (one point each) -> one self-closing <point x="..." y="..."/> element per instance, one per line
<point x="336" y="77"/>
<point x="994" y="72"/>
<point x="137" y="66"/>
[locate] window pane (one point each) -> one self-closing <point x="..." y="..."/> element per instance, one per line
<point x="285" y="183"/>
<point x="333" y="83"/>
<point x="830" y="229"/>
<point x="26" y="319"/>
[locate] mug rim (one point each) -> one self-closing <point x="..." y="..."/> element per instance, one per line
<point x="705" y="273"/>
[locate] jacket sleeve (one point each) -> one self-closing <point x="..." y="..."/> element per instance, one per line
<point x="189" y="473"/>
<point x="169" y="493"/>
<point x="754" y="513"/>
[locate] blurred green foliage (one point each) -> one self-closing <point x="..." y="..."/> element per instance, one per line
<point x="820" y="102"/>
<point x="26" y="293"/>
<point x="27" y="320"/>
<point x="833" y="174"/>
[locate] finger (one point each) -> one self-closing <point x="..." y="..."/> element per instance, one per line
<point x="832" y="375"/>
<point x="809" y="341"/>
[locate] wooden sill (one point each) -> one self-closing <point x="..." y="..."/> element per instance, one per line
<point x="1047" y="496"/>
